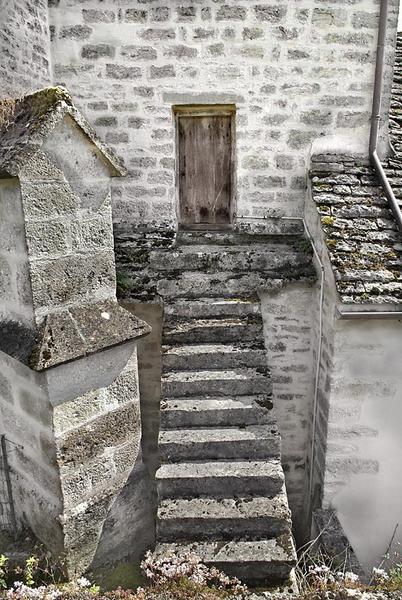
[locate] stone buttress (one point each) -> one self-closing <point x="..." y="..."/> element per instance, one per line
<point x="69" y="386"/>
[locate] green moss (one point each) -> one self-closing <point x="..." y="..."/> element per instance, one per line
<point x="47" y="98"/>
<point x="125" y="575"/>
<point x="123" y="283"/>
<point x="29" y="111"/>
<point x="7" y="112"/>
<point x="304" y="246"/>
<point x="322" y="187"/>
<point x="327" y="220"/>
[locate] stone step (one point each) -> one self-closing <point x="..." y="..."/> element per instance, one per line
<point x="274" y="259"/>
<point x="201" y="308"/>
<point x="254" y="442"/>
<point x="192" y="331"/>
<point x="219" y="479"/>
<point x="239" y="382"/>
<point x="228" y="285"/>
<point x="253" y="562"/>
<point x="220" y="411"/>
<point x="272" y="231"/>
<point x="225" y="519"/>
<point x="213" y="356"/>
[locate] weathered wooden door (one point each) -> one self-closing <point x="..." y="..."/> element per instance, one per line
<point x="205" y="169"/>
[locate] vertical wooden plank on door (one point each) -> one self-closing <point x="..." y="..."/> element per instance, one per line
<point x="205" y="178"/>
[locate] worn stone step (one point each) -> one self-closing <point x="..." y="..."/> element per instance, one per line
<point x="274" y="258"/>
<point x="192" y="331"/>
<point x="264" y="561"/>
<point x="228" y="518"/>
<point x="271" y="231"/>
<point x="192" y="284"/>
<point x="219" y="479"/>
<point x="254" y="442"/>
<point x="213" y="356"/>
<point x="219" y="411"/>
<point x="239" y="382"/>
<point x="201" y="308"/>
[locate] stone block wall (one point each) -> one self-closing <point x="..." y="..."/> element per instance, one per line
<point x="68" y="222"/>
<point x="295" y="70"/>
<point x="77" y="476"/>
<point x="73" y="418"/>
<point x="24" y="47"/>
<point x="289" y="334"/>
<point x="15" y="283"/>
<point x="323" y="317"/>
<point x="26" y="420"/>
<point x="97" y="439"/>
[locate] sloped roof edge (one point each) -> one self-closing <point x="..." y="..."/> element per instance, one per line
<point x="25" y="123"/>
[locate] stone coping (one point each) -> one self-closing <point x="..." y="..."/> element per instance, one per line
<point x="70" y="334"/>
<point x="82" y="330"/>
<point x="26" y="122"/>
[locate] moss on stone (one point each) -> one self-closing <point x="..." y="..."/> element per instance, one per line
<point x="327" y="220"/>
<point x="125" y="575"/>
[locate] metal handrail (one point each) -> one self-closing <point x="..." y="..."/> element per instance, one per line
<point x="376" y="115"/>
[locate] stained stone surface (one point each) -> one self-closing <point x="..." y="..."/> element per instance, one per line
<point x="17" y="340"/>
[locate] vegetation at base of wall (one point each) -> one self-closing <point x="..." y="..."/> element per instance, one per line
<point x="323" y="577"/>
<point x="185" y="577"/>
<point x="170" y="578"/>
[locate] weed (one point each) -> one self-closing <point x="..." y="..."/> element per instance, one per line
<point x="3" y="571"/>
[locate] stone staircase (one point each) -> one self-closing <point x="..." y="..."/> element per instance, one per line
<point x="221" y="484"/>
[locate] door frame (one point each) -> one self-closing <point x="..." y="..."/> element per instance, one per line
<point x="206" y="110"/>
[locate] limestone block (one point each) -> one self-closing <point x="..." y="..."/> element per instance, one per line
<point x="48" y="200"/>
<point x="72" y="278"/>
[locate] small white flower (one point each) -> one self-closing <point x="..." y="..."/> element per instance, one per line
<point x="380" y="574"/>
<point x="83" y="582"/>
<point x="351" y="577"/>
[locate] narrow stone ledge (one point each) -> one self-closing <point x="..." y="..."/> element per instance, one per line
<point x="82" y="330"/>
